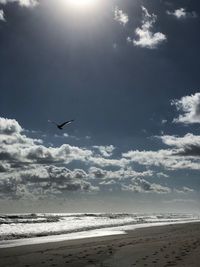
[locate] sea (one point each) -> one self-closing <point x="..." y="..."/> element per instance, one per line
<point x="36" y="228"/>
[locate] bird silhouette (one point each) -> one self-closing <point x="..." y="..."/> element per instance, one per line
<point x="60" y="126"/>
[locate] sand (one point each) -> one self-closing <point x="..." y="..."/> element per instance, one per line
<point x="172" y="245"/>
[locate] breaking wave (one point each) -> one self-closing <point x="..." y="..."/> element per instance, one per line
<point x="17" y="226"/>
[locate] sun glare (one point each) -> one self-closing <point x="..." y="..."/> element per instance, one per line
<point x="81" y="4"/>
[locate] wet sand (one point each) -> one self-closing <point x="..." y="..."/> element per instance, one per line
<point x="160" y="246"/>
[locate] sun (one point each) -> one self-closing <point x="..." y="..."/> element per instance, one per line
<point x="81" y="4"/>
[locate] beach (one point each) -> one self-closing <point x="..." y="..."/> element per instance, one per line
<point x="169" y="245"/>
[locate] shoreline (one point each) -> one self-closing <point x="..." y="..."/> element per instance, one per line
<point x="99" y="232"/>
<point x="169" y="245"/>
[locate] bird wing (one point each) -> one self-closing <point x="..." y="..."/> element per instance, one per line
<point x="67" y="122"/>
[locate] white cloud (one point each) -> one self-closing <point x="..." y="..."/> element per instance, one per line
<point x="105" y="151"/>
<point x="121" y="16"/>
<point x="190" y="107"/>
<point x="2" y="17"/>
<point x="188" y="145"/>
<point x="162" y="175"/>
<point x="164" y="121"/>
<point x="184" y="190"/>
<point x="105" y="162"/>
<point x="120" y="174"/>
<point x="181" y="13"/>
<point x="28" y="166"/>
<point x="146" y="38"/>
<point x="126" y="180"/>
<point x="30" y="169"/>
<point x="8" y="126"/>
<point x="140" y="185"/>
<point x="109" y="182"/>
<point x="43" y="181"/>
<point x="17" y="147"/>
<point x="156" y="158"/>
<point x="40" y="181"/>
<point x="183" y="154"/>
<point x="23" y="3"/>
<point x="175" y="158"/>
<point x="181" y="142"/>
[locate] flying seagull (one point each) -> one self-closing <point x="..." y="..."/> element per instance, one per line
<point x="60" y="126"/>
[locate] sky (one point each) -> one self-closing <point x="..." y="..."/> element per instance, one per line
<point x="127" y="72"/>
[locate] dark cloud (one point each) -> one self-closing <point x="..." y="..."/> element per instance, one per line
<point x="188" y="145"/>
<point x="182" y="155"/>
<point x="4" y="167"/>
<point x="192" y="150"/>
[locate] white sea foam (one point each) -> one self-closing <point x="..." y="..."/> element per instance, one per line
<point x="19" y="229"/>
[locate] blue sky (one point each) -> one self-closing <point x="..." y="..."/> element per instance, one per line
<point x="127" y="72"/>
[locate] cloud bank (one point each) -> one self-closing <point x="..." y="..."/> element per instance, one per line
<point x="30" y="169"/>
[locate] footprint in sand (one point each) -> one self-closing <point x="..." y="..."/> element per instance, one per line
<point x="91" y="261"/>
<point x="183" y="254"/>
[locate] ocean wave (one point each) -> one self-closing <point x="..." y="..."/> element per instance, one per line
<point x="17" y="226"/>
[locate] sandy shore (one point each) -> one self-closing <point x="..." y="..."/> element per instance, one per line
<point x="172" y="245"/>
